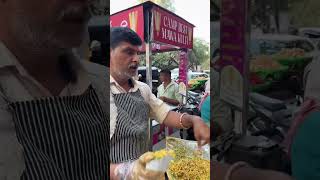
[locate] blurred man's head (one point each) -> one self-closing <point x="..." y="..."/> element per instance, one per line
<point x="44" y="23"/>
<point x="165" y="76"/>
<point x="124" y="49"/>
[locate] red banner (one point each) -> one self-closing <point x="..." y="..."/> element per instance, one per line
<point x="233" y="45"/>
<point x="233" y="33"/>
<point x="170" y="29"/>
<point x="132" y="18"/>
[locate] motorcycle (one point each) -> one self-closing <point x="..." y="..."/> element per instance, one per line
<point x="194" y="98"/>
<point x="268" y="123"/>
<point x="258" y="151"/>
<point x="269" y="117"/>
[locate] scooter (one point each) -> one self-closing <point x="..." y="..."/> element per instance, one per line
<point x="269" y="117"/>
<point x="258" y="151"/>
<point x="194" y="98"/>
<point x="261" y="146"/>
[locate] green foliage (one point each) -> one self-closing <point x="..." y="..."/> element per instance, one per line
<point x="100" y="8"/>
<point x="200" y="54"/>
<point x="170" y="60"/>
<point x="305" y="13"/>
<point x="166" y="60"/>
<point x="167" y="4"/>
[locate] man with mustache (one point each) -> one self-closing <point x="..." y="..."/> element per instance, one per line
<point x="53" y="119"/>
<point x="131" y="103"/>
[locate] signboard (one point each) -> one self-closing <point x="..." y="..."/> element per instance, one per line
<point x="132" y="18"/>
<point x="171" y="29"/>
<point x="233" y="44"/>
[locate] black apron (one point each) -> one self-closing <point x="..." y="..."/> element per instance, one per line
<point x="64" y="138"/>
<point x="130" y="139"/>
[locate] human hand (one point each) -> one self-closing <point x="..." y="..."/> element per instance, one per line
<point x="201" y="131"/>
<point x="136" y="170"/>
<point x="163" y="98"/>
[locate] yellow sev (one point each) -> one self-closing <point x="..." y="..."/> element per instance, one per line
<point x="190" y="169"/>
<point x="162" y="153"/>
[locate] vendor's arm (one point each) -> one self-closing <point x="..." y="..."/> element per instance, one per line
<point x="161" y="111"/>
<point x="201" y="130"/>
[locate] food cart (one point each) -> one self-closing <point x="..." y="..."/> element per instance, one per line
<point x="161" y="31"/>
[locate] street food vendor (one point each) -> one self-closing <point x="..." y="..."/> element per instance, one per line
<point x="131" y="105"/>
<point x="168" y="91"/>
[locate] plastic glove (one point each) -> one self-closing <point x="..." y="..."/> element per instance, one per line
<point x="136" y="170"/>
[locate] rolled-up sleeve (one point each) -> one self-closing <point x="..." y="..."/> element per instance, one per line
<point x="158" y="109"/>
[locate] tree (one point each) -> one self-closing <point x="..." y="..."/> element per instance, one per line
<point x="100" y="7"/>
<point x="305" y="13"/>
<point x="165" y="60"/>
<point x="200" y="54"/>
<point x="301" y="13"/>
<point x="167" y="4"/>
<point x="170" y="60"/>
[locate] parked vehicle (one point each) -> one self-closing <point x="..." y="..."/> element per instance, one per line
<point x="258" y="151"/>
<point x="194" y="75"/>
<point x="262" y="147"/>
<point x="155" y="77"/>
<point x="311" y="33"/>
<point x="194" y="98"/>
<point x="269" y="44"/>
<point x="191" y="74"/>
<point x="207" y="72"/>
<point x="269" y="117"/>
<point x="175" y="74"/>
<point x="98" y="29"/>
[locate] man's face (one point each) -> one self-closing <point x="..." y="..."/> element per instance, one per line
<point x="124" y="60"/>
<point x="51" y="23"/>
<point x="164" y="77"/>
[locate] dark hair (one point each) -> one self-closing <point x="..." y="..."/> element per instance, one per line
<point x="166" y="71"/>
<point x="123" y="34"/>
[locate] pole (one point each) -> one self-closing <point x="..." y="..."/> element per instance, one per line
<point x="149" y="82"/>
<point x="149" y="71"/>
<point x="246" y="72"/>
<point x="148" y="65"/>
